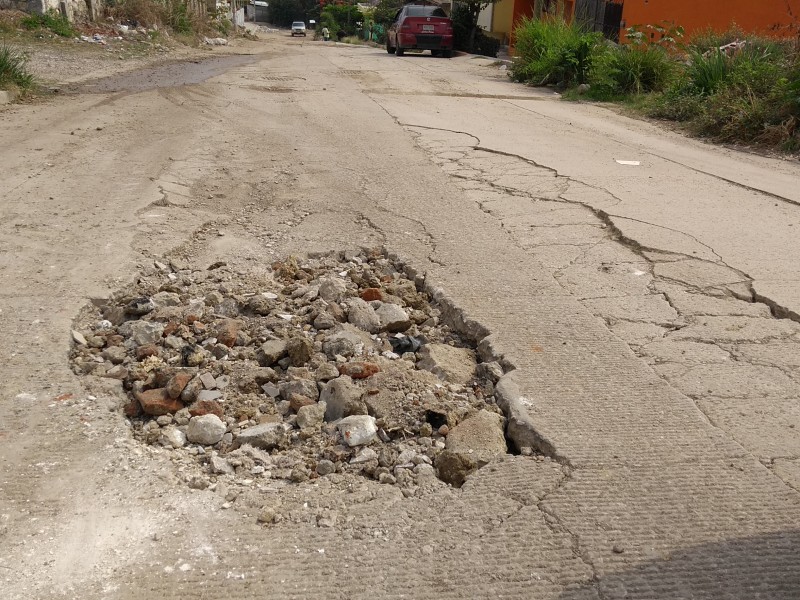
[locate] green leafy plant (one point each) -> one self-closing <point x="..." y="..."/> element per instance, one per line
<point x="13" y="69"/>
<point x="51" y="20"/>
<point x="666" y="35"/>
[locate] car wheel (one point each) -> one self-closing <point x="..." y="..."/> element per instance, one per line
<point x="447" y="53"/>
<point x="399" y="51"/>
<point x="389" y="48"/>
<point x="436" y="52"/>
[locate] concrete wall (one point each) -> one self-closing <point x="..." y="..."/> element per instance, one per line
<point x="775" y="17"/>
<point x="72" y="9"/>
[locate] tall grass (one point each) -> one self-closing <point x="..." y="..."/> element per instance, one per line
<point x="13" y="70"/>
<point x="554" y="51"/>
<point x="634" y="69"/>
<point x="748" y="92"/>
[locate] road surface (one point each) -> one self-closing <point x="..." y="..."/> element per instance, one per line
<point x="648" y="314"/>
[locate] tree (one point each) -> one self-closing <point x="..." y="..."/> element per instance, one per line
<point x="473" y="9"/>
<point x="284" y="12"/>
<point x="341" y="19"/>
<point x="386" y="10"/>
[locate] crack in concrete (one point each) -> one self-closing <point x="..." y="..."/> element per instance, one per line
<point x="474" y="174"/>
<point x="556" y="525"/>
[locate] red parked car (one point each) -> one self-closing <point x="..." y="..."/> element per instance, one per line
<point x="420" y="27"/>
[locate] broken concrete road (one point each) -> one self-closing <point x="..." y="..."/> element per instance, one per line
<point x="624" y="298"/>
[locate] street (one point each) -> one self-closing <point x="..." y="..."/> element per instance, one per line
<point x="641" y="290"/>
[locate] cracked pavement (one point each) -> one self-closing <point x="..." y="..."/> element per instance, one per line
<point x="648" y="316"/>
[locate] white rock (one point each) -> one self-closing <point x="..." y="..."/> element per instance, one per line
<point x="393" y="318"/>
<point x="366" y="455"/>
<point x="266" y="435"/>
<point x="363" y="316"/>
<point x="221" y="466"/>
<point x="405" y="459"/>
<point x="357" y="430"/>
<point x="78" y="338"/>
<point x="205" y="429"/>
<point x="173" y="436"/>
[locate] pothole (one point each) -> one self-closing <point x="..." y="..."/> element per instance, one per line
<point x="332" y="366"/>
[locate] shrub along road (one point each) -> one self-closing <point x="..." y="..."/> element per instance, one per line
<point x="620" y="297"/>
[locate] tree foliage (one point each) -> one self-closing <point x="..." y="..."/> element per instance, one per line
<point x="473" y="9"/>
<point x="341" y="19"/>
<point x="386" y="10"/>
<point x="284" y="12"/>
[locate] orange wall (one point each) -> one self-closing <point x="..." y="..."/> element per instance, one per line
<point x="779" y="17"/>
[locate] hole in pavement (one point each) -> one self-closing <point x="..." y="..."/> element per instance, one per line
<point x="334" y="366"/>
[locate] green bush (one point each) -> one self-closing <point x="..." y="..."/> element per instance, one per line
<point x="52" y="20"/>
<point x="554" y="51"/>
<point x="486" y="45"/>
<point x="13" y="70"/>
<point x="632" y="69"/>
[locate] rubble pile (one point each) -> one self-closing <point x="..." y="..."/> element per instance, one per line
<point x="334" y="365"/>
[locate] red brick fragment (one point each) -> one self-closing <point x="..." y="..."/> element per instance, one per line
<point x="358" y="370"/>
<point x="156" y="402"/>
<point x="206" y="407"/>
<point x="370" y="294"/>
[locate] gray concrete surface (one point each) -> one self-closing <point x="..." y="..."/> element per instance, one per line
<point x="627" y="300"/>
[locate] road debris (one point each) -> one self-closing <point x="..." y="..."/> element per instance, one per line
<point x="289" y="373"/>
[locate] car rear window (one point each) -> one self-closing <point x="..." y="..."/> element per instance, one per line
<point x="424" y="11"/>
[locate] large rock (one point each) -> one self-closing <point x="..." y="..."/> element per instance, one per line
<point x="470" y="445"/>
<point x="312" y="415"/>
<point x="301" y="387"/>
<point x="300" y="350"/>
<point x="342" y="399"/>
<point x="363" y="316"/>
<point x="271" y="352"/>
<point x="162" y="299"/>
<point x="393" y="318"/>
<point x="266" y="436"/>
<point x="357" y="430"/>
<point x="452" y="364"/>
<point x="142" y="332"/>
<point x="338" y="346"/>
<point x="481" y="435"/>
<point x="206" y="430"/>
<point x="332" y="289"/>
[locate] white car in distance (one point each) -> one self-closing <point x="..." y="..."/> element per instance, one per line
<point x="298" y="28"/>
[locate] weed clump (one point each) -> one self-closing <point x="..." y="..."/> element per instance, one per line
<point x="554" y="52"/>
<point x="726" y="86"/>
<point x="51" y="20"/>
<point x="13" y="70"/>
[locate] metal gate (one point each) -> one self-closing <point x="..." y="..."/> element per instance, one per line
<point x="600" y="15"/>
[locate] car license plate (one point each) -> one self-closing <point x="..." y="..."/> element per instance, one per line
<point x="427" y="28"/>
